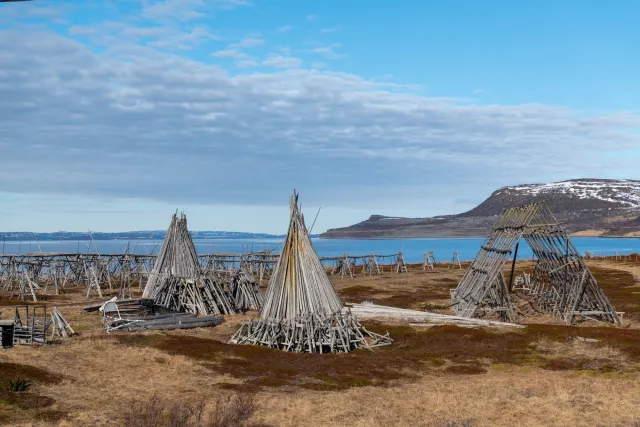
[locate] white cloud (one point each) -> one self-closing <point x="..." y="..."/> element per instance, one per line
<point x="182" y="10"/>
<point x="136" y="122"/>
<point x="249" y="41"/>
<point x="328" y="51"/>
<point x="285" y="28"/>
<point x="187" y="10"/>
<point x="247" y="63"/>
<point x="279" y="61"/>
<point x="167" y="37"/>
<point x="311" y="18"/>
<point x="144" y="32"/>
<point x="42" y="12"/>
<point x="230" y="53"/>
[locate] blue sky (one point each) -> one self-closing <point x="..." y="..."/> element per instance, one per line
<point x="115" y="113"/>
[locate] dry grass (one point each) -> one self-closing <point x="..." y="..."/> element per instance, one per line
<point x="580" y="355"/>
<point x="233" y="411"/>
<point x="441" y="376"/>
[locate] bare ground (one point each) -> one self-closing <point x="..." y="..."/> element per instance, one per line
<point x="543" y="375"/>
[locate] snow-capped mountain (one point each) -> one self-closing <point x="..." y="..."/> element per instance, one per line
<point x="573" y="195"/>
<point x="589" y="206"/>
<point x="622" y="192"/>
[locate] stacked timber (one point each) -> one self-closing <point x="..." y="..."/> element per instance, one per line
<point x="200" y="295"/>
<point x="130" y="307"/>
<point x="167" y="322"/>
<point x="302" y="311"/>
<point x="176" y="281"/>
<point x="245" y="291"/>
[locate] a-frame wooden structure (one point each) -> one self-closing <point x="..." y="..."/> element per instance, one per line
<point x="561" y="283"/>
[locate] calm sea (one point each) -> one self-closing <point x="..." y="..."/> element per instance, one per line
<point x="413" y="249"/>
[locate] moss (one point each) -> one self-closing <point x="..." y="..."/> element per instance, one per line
<point x="619" y="286"/>
<point x="437" y="362"/>
<point x="13" y="370"/>
<point x="465" y="370"/>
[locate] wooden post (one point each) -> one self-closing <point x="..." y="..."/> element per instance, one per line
<point x="513" y="265"/>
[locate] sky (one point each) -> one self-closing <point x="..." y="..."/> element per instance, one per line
<point x="113" y="114"/>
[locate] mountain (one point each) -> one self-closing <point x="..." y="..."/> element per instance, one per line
<point x="127" y="235"/>
<point x="586" y="207"/>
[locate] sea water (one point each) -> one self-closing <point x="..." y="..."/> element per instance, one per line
<point x="413" y="249"/>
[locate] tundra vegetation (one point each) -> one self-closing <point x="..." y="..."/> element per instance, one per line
<point x="545" y="374"/>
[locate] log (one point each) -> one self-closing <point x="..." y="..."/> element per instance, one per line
<point x="368" y="310"/>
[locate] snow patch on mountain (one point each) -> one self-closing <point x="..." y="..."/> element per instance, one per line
<point x="622" y="192"/>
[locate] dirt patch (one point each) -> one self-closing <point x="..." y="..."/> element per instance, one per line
<point x="417" y="299"/>
<point x="465" y="370"/>
<point x="15" y="406"/>
<point x="12" y="370"/>
<point x="405" y="299"/>
<point x="357" y="293"/>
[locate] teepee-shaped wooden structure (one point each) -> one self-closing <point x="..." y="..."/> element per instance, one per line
<point x="302" y="311"/>
<point x="177" y="257"/>
<point x="176" y="281"/>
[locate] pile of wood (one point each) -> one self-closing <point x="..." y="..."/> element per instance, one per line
<point x="245" y="291"/>
<point x="167" y="322"/>
<point x="369" y="310"/>
<point x="302" y="311"/>
<point x="60" y="325"/>
<point x="177" y="282"/>
<point x="177" y="258"/>
<point x="200" y="295"/>
<point x="143" y="314"/>
<point x="130" y="307"/>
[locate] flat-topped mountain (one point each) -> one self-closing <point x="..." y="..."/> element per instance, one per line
<point x="587" y="207"/>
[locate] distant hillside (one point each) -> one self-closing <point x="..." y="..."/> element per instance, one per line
<point x="587" y="207"/>
<point x="128" y="235"/>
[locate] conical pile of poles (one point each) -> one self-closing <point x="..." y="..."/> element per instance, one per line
<point x="302" y="311"/>
<point x="177" y="282"/>
<point x="177" y="257"/>
<point x="245" y="291"/>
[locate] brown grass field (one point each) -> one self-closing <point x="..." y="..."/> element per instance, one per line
<point x="430" y="376"/>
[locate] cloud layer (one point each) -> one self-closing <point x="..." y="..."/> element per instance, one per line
<point x="142" y="121"/>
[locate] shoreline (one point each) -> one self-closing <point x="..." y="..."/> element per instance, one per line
<point x="463" y="237"/>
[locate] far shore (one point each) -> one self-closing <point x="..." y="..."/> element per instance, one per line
<point x="578" y="235"/>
